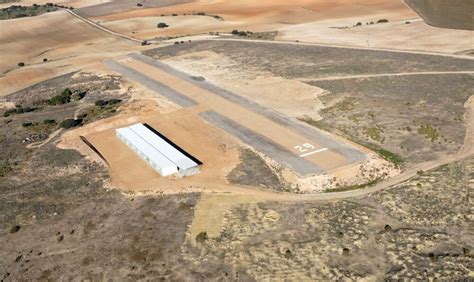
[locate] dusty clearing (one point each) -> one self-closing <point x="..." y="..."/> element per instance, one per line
<point x="128" y="172"/>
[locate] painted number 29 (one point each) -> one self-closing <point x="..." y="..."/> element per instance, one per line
<point x="304" y="148"/>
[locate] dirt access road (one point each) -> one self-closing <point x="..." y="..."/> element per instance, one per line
<point x="305" y="150"/>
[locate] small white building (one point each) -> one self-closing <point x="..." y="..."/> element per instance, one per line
<point x="165" y="157"/>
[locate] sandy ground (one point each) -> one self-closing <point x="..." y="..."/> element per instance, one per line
<point x="250" y="15"/>
<point x="305" y="21"/>
<point x="218" y="153"/>
<point x="146" y="27"/>
<point x="279" y="11"/>
<point x="398" y="34"/>
<point x="68" y="43"/>
<point x="258" y="86"/>
<point x="68" y="3"/>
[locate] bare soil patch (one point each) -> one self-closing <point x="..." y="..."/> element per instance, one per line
<point x="67" y="43"/>
<point x="218" y="153"/>
<point x="406" y="34"/>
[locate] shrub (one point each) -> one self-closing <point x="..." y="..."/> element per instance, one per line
<point x="242" y="33"/>
<point x="382" y="21"/>
<point x="100" y="103"/>
<point x="359" y="24"/>
<point x="63" y="98"/>
<point x="5" y="168"/>
<point x="21" y="64"/>
<point x="49" y="121"/>
<point x="235" y="32"/>
<point x="103" y="103"/>
<point x="19" y="110"/>
<point x="162" y="25"/>
<point x="69" y="123"/>
<point x="174" y="15"/>
<point x="78" y="96"/>
<point x="45" y="60"/>
<point x="9" y="112"/>
<point x="139" y="4"/>
<point x="15" y="229"/>
<point x="345" y="251"/>
<point x="114" y="101"/>
<point x="202" y="237"/>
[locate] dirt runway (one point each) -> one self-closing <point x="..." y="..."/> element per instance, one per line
<point x="305" y="150"/>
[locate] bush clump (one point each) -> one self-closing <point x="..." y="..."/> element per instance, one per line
<point x="15" y="229"/>
<point x="70" y="123"/>
<point x="104" y="103"/>
<point x="202" y="237"/>
<point x="5" y="168"/>
<point x="162" y="25"/>
<point x="49" y="122"/>
<point x="63" y="98"/>
<point x="28" y="124"/>
<point x="19" y="110"/>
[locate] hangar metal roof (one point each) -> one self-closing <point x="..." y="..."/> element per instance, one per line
<point x="148" y="152"/>
<point x="182" y="161"/>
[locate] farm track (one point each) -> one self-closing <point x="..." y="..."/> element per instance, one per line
<point x="42" y="143"/>
<point x="98" y="26"/>
<point x="333" y="78"/>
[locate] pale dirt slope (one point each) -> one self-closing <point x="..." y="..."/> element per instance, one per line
<point x="402" y="34"/>
<point x="67" y="42"/>
<point x="251" y="15"/>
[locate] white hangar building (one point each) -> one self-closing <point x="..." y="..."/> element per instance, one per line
<point x="160" y="153"/>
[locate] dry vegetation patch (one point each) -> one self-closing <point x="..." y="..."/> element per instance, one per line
<point x="254" y="171"/>
<point x="407" y="231"/>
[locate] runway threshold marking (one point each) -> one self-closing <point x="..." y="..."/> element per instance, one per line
<point x="304" y="148"/>
<point x="314" y="152"/>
